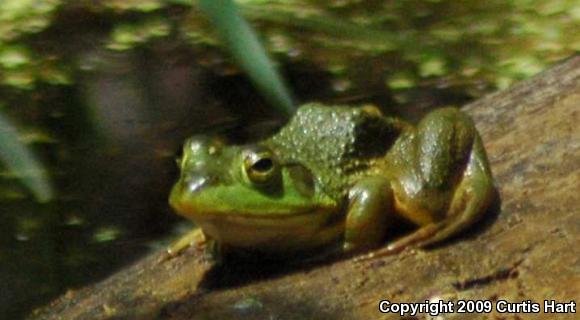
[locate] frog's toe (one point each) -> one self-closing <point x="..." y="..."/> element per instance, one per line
<point x="193" y="237"/>
<point x="415" y="239"/>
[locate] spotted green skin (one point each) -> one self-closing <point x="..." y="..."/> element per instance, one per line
<point x="342" y="175"/>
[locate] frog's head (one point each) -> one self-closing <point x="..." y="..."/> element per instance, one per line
<point x="245" y="196"/>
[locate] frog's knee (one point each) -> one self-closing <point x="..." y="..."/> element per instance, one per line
<point x="448" y="117"/>
<point x="445" y="139"/>
<point x="447" y="112"/>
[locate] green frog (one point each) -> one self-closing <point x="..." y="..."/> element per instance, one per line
<point x="337" y="175"/>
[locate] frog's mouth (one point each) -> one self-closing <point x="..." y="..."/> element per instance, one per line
<point x="289" y="217"/>
<point x="276" y="233"/>
<point x="270" y="232"/>
<point x="270" y="224"/>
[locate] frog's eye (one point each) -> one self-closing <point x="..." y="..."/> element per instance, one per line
<point x="260" y="166"/>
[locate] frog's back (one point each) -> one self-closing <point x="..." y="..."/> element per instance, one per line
<point x="337" y="143"/>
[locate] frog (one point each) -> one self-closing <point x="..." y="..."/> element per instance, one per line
<point x="337" y="176"/>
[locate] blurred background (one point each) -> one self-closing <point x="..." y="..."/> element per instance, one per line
<point x="96" y="98"/>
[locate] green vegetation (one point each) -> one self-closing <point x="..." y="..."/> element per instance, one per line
<point x="476" y="45"/>
<point x="249" y="54"/>
<point x="20" y="160"/>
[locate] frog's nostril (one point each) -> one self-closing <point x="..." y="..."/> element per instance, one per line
<point x="203" y="144"/>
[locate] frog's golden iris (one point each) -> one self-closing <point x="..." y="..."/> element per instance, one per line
<point x="333" y="174"/>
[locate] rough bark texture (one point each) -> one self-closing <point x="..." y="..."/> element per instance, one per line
<point x="528" y="248"/>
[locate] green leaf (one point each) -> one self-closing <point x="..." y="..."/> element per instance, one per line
<point x="248" y="52"/>
<point x="20" y="159"/>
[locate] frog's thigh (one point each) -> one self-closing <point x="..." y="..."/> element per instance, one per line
<point x="444" y="142"/>
<point x="369" y="212"/>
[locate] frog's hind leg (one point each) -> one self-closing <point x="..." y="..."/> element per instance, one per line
<point x="472" y="197"/>
<point x="452" y="159"/>
<point x="474" y="194"/>
<point x="458" y="146"/>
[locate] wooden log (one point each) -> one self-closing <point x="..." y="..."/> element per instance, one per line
<point x="528" y="248"/>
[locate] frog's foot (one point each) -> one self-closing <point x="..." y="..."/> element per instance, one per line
<point x="194" y="237"/>
<point x="415" y="239"/>
<point x="474" y="194"/>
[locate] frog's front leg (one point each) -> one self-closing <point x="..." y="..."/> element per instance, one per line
<point x="194" y="237"/>
<point x="369" y="212"/>
<point x="197" y="238"/>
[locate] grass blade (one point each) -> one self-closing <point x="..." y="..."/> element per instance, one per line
<point x="19" y="159"/>
<point x="248" y="52"/>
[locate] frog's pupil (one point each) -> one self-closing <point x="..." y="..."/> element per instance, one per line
<point x="263" y="165"/>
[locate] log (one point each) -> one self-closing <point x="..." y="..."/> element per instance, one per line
<point x="526" y="249"/>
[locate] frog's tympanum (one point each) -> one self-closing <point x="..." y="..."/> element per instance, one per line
<point x="337" y="174"/>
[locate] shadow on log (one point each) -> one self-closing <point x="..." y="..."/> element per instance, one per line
<point x="531" y="250"/>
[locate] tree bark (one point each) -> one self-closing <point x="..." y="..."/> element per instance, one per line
<point x="527" y="249"/>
